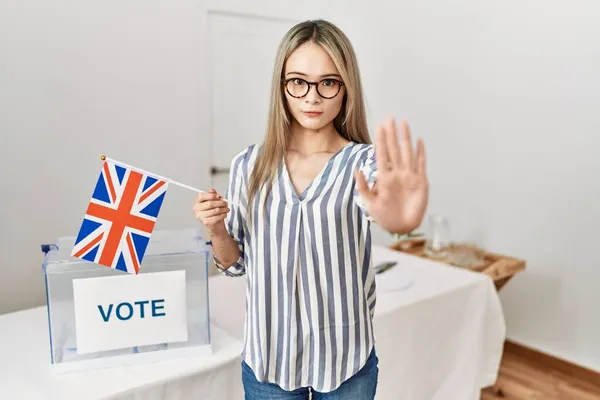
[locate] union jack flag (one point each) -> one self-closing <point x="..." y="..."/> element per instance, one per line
<point x="120" y="218"/>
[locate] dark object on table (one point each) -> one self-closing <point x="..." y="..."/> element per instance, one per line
<point x="380" y="268"/>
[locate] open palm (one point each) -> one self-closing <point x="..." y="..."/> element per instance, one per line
<point x="398" y="200"/>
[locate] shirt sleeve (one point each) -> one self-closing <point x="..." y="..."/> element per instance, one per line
<point x="235" y="220"/>
<point x="368" y="167"/>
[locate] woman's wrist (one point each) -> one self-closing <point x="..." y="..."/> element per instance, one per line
<point x="218" y="233"/>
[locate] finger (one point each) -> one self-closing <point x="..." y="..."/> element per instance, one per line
<point x="210" y="204"/>
<point x="213" y="191"/>
<point x="203" y="208"/>
<point x="391" y="141"/>
<point x="421" y="162"/>
<point x="407" y="150"/>
<point x="363" y="187"/>
<point x="215" y="211"/>
<point x="205" y="196"/>
<point x="382" y="160"/>
<point x="204" y="216"/>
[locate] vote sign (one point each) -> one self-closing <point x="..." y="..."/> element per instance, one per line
<point x="129" y="310"/>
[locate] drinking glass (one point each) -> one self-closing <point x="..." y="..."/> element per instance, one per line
<point x="438" y="237"/>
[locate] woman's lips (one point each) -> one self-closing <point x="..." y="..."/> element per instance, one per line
<point x="312" y="113"/>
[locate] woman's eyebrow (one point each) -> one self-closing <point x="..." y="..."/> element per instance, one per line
<point x="322" y="76"/>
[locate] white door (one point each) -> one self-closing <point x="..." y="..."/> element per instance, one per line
<point x="242" y="50"/>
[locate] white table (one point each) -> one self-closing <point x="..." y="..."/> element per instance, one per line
<point x="440" y="338"/>
<point x="25" y="371"/>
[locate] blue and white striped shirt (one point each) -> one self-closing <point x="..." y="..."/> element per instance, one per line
<point x="310" y="294"/>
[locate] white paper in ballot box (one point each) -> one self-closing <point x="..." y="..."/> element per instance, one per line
<point x="99" y="316"/>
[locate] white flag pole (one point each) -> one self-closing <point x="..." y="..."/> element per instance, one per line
<point x="183" y="185"/>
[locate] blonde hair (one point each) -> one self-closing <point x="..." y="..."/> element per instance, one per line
<point x="351" y="122"/>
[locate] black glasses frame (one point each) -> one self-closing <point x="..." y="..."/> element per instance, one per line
<point x="316" y="84"/>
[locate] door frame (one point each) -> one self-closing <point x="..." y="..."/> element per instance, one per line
<point x="209" y="86"/>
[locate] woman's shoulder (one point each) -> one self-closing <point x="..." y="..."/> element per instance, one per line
<point x="245" y="158"/>
<point x="364" y="151"/>
<point x="244" y="153"/>
<point x="364" y="147"/>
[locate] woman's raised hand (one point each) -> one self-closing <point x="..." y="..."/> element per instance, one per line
<point x="398" y="200"/>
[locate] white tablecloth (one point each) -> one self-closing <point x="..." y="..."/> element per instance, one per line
<point x="439" y="338"/>
<point x="25" y="373"/>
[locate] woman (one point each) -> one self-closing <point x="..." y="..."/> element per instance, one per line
<point x="298" y="223"/>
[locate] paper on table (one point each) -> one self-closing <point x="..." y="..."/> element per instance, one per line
<point x="394" y="282"/>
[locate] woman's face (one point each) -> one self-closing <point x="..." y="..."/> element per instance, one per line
<point x="311" y="63"/>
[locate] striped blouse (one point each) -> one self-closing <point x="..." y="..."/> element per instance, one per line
<point x="310" y="292"/>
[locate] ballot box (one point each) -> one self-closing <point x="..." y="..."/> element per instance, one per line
<point x="101" y="317"/>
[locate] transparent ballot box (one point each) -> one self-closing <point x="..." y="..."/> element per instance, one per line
<point x="100" y="316"/>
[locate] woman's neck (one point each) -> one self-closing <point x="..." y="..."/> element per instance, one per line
<point x="308" y="141"/>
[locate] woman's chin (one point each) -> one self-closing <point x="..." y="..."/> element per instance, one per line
<point x="313" y="123"/>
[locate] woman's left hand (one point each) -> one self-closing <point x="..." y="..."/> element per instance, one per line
<point x="398" y="200"/>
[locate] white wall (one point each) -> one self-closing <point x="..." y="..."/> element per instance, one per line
<point x="507" y="98"/>
<point x="503" y="93"/>
<point x="80" y="79"/>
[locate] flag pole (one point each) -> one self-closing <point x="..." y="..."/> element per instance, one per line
<point x="183" y="185"/>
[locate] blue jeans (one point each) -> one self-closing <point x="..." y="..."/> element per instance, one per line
<point x="361" y="386"/>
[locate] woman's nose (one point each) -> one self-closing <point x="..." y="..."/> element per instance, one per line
<point x="312" y="96"/>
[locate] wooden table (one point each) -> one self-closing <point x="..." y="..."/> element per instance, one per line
<point x="500" y="267"/>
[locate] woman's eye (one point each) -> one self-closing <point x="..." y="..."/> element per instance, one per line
<point x="328" y="82"/>
<point x="298" y="82"/>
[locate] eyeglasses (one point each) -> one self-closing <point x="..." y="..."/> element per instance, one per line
<point x="298" y="87"/>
